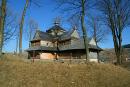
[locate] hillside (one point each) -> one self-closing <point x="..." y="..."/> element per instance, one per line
<point x="108" y="55"/>
<point x="15" y="72"/>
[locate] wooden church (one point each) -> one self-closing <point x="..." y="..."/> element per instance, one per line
<point x="57" y="43"/>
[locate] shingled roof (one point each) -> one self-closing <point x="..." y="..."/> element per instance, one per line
<point x="66" y="35"/>
<point x="42" y="48"/>
<point x="40" y="35"/>
<point x="79" y="44"/>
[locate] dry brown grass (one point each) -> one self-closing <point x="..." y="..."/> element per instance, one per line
<point x="126" y="65"/>
<point x="15" y="72"/>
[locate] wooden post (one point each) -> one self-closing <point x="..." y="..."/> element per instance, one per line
<point x="55" y="56"/>
<point x="33" y="55"/>
<point x="70" y="57"/>
<point x="98" y="56"/>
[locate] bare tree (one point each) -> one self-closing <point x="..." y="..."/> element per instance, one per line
<point x="74" y="21"/>
<point x="2" y="23"/>
<point x="21" y="26"/>
<point x="83" y="27"/>
<point x="8" y="25"/>
<point x="27" y="3"/>
<point x="74" y="8"/>
<point x="116" y="15"/>
<point x="97" y="29"/>
<point x="33" y="26"/>
<point x="17" y="42"/>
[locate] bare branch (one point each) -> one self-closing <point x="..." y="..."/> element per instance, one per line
<point x="116" y="15"/>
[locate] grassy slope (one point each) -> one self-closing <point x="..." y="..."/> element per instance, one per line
<point x="18" y="73"/>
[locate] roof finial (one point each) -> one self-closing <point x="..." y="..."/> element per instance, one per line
<point x="57" y="21"/>
<point x="75" y="27"/>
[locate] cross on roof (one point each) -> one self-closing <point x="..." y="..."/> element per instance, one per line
<point x="57" y="21"/>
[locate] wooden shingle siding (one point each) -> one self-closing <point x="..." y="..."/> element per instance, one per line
<point x="36" y="43"/>
<point x="93" y="55"/>
<point x="46" y="43"/>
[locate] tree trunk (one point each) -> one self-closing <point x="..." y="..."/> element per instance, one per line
<point x="120" y="49"/>
<point x="117" y="48"/>
<point x="84" y="29"/>
<point x="117" y="18"/>
<point x="21" y="26"/>
<point x="2" y="23"/>
<point x="95" y="38"/>
<point x="120" y="39"/>
<point x="57" y="49"/>
<point x="17" y="41"/>
<point x="30" y="38"/>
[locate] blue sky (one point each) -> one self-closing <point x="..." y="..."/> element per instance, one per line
<point x="45" y="16"/>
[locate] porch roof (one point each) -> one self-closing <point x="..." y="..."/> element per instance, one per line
<point x="63" y="48"/>
<point x="41" y="48"/>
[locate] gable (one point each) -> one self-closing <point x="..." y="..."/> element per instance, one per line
<point x="75" y="34"/>
<point x="92" y="42"/>
<point x="57" y="29"/>
<point x="36" y="36"/>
